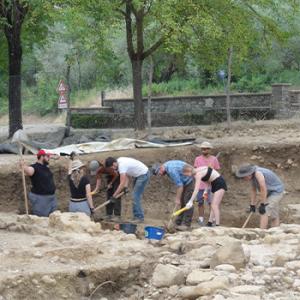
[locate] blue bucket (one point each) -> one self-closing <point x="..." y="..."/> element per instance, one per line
<point x="128" y="228"/>
<point x="154" y="233"/>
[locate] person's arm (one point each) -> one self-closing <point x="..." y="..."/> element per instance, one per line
<point x="253" y="195"/>
<point x="28" y="170"/>
<point x="196" y="190"/>
<point x="70" y="167"/>
<point x="122" y="185"/>
<point x="179" y="192"/>
<point x="97" y="187"/>
<point x="216" y="164"/>
<point x="262" y="187"/>
<point x="89" y="196"/>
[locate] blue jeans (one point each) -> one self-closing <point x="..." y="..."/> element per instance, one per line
<point x="42" y="205"/>
<point x="138" y="190"/>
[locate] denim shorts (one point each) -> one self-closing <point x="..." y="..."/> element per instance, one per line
<point x="200" y="199"/>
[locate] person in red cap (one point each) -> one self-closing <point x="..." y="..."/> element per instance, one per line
<point x="42" y="196"/>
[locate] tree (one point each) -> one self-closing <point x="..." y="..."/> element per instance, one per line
<point x="14" y="16"/>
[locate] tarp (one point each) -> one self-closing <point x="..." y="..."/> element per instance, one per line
<point x="119" y="144"/>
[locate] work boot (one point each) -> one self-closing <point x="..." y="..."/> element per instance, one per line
<point x="116" y="219"/>
<point x="137" y="221"/>
<point x="107" y="218"/>
<point x="183" y="228"/>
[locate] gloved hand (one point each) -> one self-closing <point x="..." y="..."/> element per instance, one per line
<point x="113" y="200"/>
<point x="189" y="205"/>
<point x="262" y="208"/>
<point x="126" y="190"/>
<point x="252" y="208"/>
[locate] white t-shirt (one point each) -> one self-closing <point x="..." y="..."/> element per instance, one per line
<point x="131" y="167"/>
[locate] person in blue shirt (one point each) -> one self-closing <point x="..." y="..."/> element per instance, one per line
<point x="174" y="170"/>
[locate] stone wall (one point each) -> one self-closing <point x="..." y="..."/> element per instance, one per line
<point x="192" y="104"/>
<point x="192" y="110"/>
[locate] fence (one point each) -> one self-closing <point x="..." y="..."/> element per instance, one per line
<point x="192" y="110"/>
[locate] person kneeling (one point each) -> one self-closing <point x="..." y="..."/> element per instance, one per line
<point x="80" y="188"/>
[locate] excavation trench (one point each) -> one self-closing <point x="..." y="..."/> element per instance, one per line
<point x="159" y="197"/>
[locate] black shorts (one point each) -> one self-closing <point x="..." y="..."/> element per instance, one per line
<point x="218" y="184"/>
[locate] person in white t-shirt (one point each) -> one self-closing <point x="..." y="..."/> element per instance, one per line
<point x="130" y="167"/>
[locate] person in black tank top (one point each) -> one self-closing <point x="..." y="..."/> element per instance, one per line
<point x="42" y="196"/>
<point x="80" y="189"/>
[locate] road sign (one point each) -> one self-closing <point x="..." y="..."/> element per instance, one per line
<point x="62" y="87"/>
<point x="63" y="101"/>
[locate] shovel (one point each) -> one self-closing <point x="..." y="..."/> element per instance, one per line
<point x="19" y="137"/>
<point x="249" y="217"/>
<point x="108" y="201"/>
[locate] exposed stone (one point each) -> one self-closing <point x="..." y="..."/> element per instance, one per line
<point x="73" y="222"/>
<point x="231" y="253"/>
<point x="167" y="275"/>
<point x="198" y="276"/>
<point x="247" y="289"/>
<point x="226" y="268"/>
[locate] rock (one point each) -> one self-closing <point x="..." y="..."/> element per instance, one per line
<point x="173" y="290"/>
<point x="73" y="222"/>
<point x="48" y="280"/>
<point x="231" y="253"/>
<point x="219" y="297"/>
<point x="293" y="265"/>
<point x="202" y="253"/>
<point x="167" y="275"/>
<point x="247" y="289"/>
<point x="226" y="268"/>
<point x="198" y="276"/>
<point x="202" y="289"/>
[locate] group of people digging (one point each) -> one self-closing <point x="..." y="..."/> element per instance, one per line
<point x="199" y="183"/>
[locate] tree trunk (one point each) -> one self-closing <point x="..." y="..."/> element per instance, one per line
<point x="149" y="104"/>
<point x="13" y="36"/>
<point x="137" y="65"/>
<point x="68" y="120"/>
<point x="229" y="62"/>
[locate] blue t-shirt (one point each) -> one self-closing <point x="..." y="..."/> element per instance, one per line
<point x="174" y="170"/>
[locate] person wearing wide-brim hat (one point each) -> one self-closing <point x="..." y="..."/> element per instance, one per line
<point x="80" y="188"/>
<point x="270" y="189"/>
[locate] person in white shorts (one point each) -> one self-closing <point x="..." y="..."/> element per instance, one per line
<point x="270" y="189"/>
<point x="130" y="167"/>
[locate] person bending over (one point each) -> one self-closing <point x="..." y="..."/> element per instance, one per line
<point x="113" y="209"/>
<point x="218" y="188"/>
<point x="268" y="187"/>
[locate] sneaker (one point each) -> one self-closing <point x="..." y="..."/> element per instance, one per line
<point x="201" y="222"/>
<point x="209" y="224"/>
<point x="107" y="218"/>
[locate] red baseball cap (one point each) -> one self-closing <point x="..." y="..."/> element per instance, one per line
<point x="42" y="153"/>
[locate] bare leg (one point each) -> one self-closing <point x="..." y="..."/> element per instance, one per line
<point x="201" y="210"/>
<point x="215" y="206"/>
<point x="275" y="222"/>
<point x="264" y="220"/>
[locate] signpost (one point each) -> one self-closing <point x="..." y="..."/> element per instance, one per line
<point x="64" y="103"/>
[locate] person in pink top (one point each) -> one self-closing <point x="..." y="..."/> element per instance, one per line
<point x="205" y="160"/>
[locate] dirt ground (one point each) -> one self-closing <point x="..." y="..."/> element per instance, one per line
<point x="272" y="144"/>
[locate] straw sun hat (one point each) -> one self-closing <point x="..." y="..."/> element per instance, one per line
<point x="77" y="164"/>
